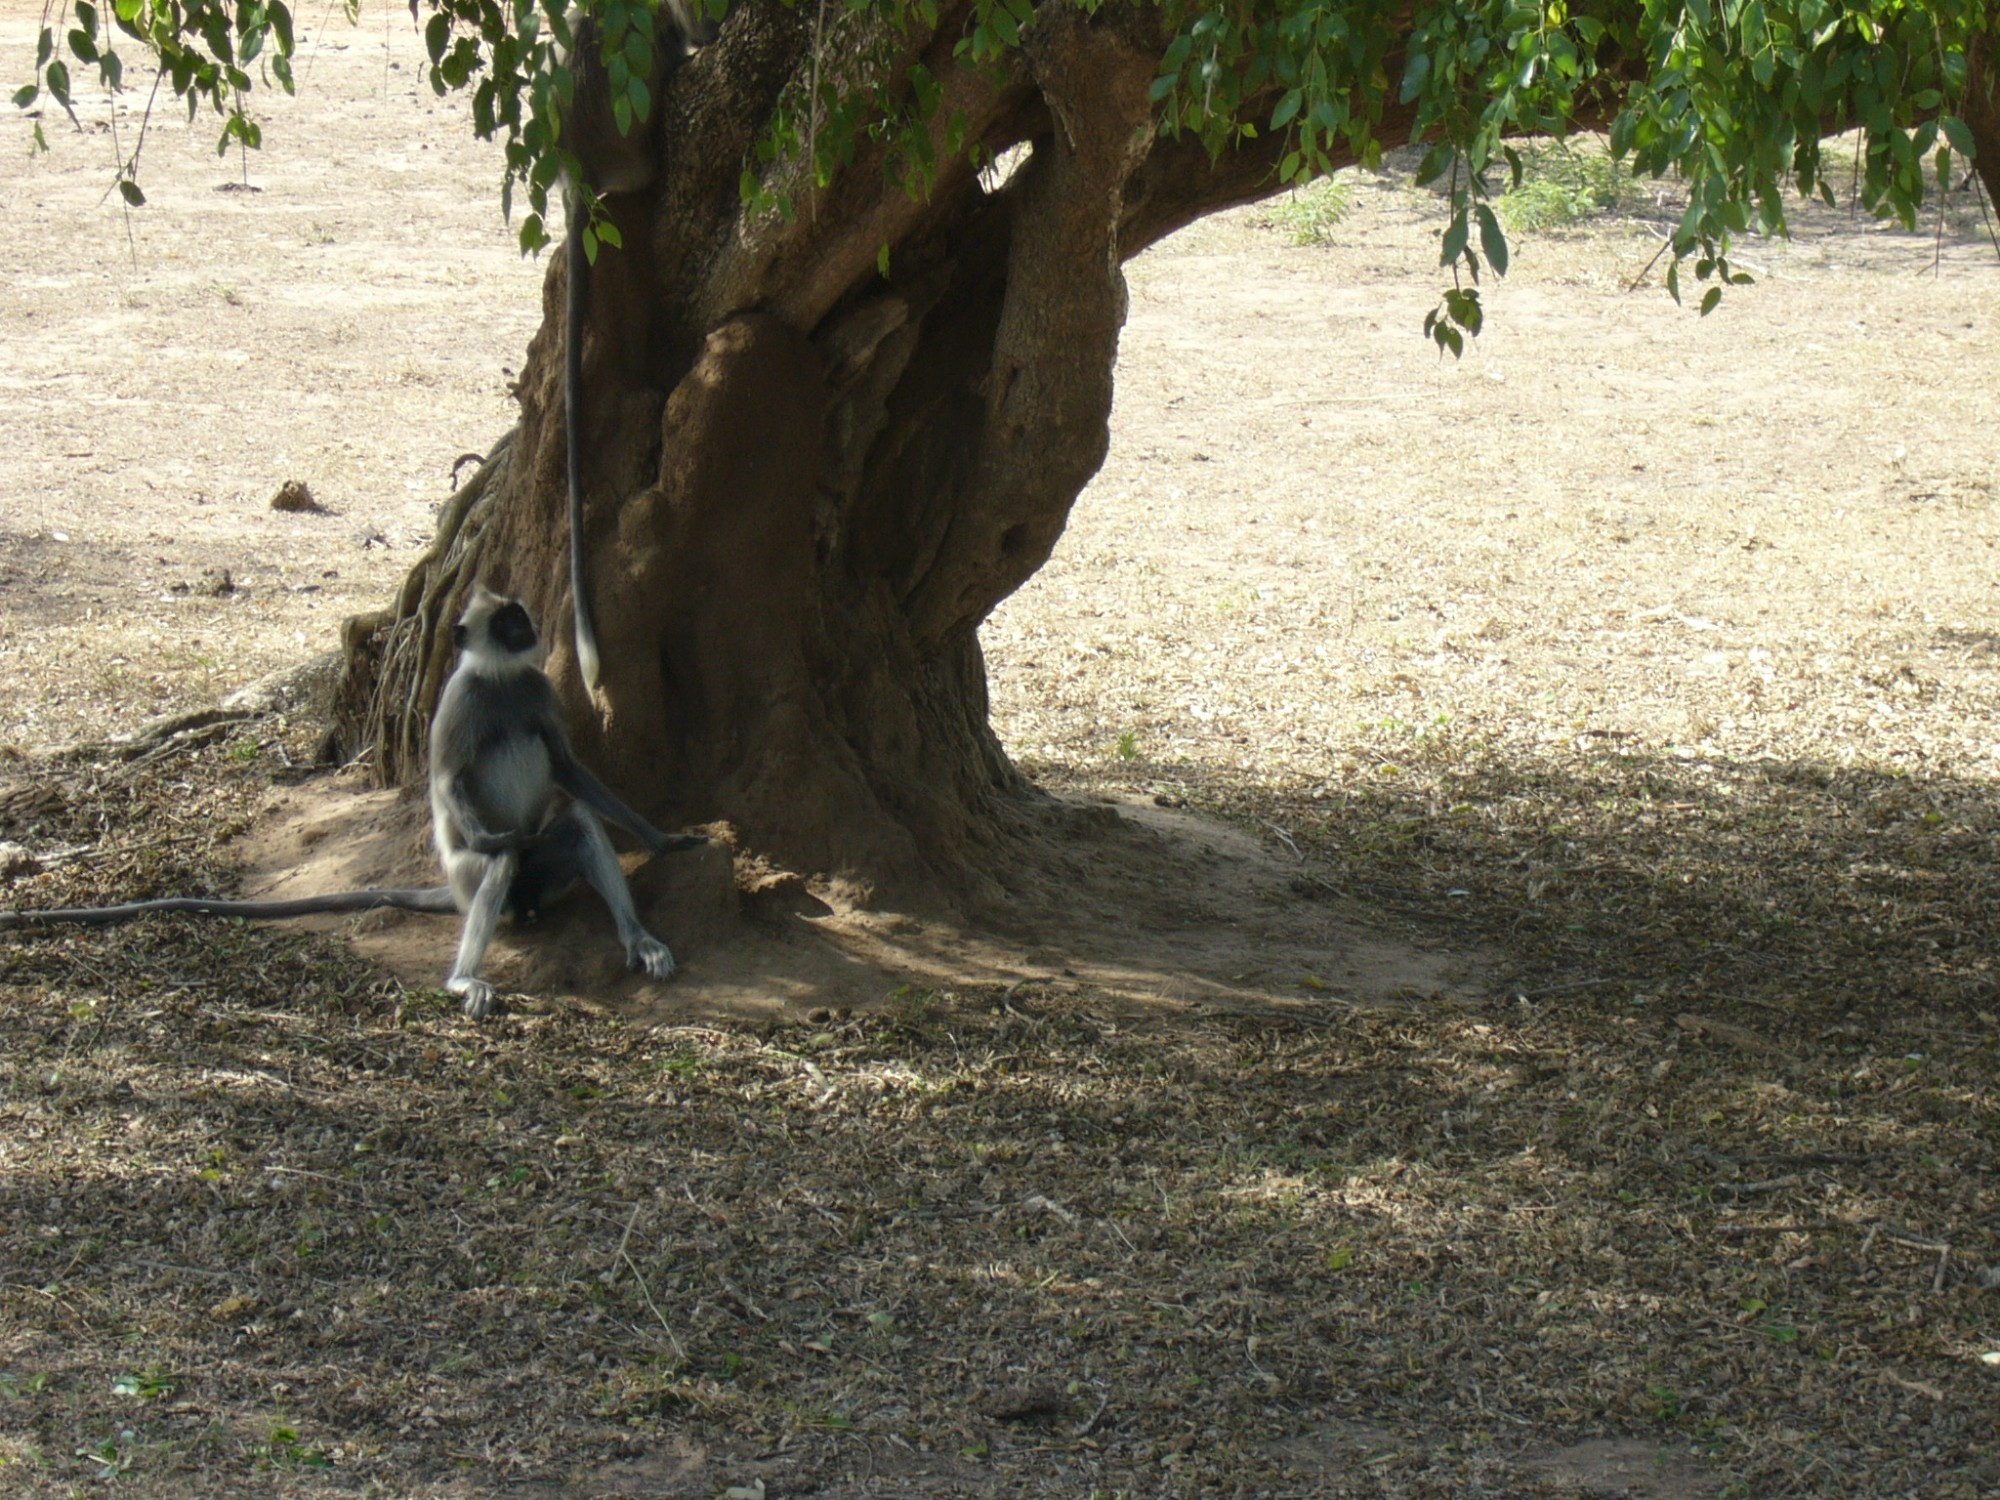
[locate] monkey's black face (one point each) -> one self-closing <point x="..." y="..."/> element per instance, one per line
<point x="512" y="629"/>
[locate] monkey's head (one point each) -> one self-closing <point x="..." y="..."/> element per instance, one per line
<point x="496" y="632"/>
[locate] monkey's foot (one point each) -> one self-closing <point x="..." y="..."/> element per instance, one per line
<point x="476" y="995"/>
<point x="650" y="955"/>
<point x="677" y="843"/>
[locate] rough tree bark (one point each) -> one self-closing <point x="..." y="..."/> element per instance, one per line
<point x="808" y="483"/>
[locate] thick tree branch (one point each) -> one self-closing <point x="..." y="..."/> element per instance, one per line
<point x="1048" y="388"/>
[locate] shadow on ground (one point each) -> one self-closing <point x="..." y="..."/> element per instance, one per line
<point x="1678" y="1185"/>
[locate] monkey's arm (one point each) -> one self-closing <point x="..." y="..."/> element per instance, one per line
<point x="574" y="777"/>
<point x="436" y="898"/>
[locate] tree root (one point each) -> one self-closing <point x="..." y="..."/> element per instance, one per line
<point x="394" y="661"/>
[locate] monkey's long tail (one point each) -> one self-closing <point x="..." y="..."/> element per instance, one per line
<point x="579" y="312"/>
<point x="434" y="898"/>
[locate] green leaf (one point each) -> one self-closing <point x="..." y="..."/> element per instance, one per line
<point x="1960" y="135"/>
<point x="607" y="233"/>
<point x="1287" y="109"/>
<point x="1456" y="233"/>
<point x="638" y="53"/>
<point x="1465" y="311"/>
<point x="1709" y="299"/>
<point x="129" y="191"/>
<point x="1491" y="241"/>
<point x="1437" y="161"/>
<point x="1416" y="75"/>
<point x="25" y="95"/>
<point x="58" y="81"/>
<point x="45" y="48"/>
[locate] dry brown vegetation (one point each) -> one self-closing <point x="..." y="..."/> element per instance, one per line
<point x="1635" y="678"/>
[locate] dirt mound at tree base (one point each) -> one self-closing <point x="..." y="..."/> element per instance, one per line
<point x="1147" y="905"/>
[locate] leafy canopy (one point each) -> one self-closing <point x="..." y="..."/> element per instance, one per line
<point x="1732" y="96"/>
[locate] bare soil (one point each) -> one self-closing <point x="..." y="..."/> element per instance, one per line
<point x="1511" y="1011"/>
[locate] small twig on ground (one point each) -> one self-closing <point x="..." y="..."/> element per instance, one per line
<point x="1744" y="1189"/>
<point x="1040" y="1203"/>
<point x="647" y="1297"/>
<point x="162" y="1265"/>
<point x="1818" y="1227"/>
<point x="742" y="1301"/>
<point x="1904" y="1236"/>
<point x="619" y="1254"/>
<point x="1563" y="989"/>
<point x="1090" y="1425"/>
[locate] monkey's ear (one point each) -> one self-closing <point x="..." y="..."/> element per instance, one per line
<point x="458" y="634"/>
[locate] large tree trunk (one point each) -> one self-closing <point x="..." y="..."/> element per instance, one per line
<point x="807" y="482"/>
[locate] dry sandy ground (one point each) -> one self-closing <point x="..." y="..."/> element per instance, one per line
<point x="351" y="323"/>
<point x="1638" y="660"/>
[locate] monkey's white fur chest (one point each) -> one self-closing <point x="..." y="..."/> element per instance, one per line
<point x="514" y="785"/>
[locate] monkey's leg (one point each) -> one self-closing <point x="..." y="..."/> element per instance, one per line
<point x="481" y="917"/>
<point x="578" y="835"/>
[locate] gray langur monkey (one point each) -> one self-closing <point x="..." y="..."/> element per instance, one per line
<point x="499" y="764"/>
<point x="611" y="161"/>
